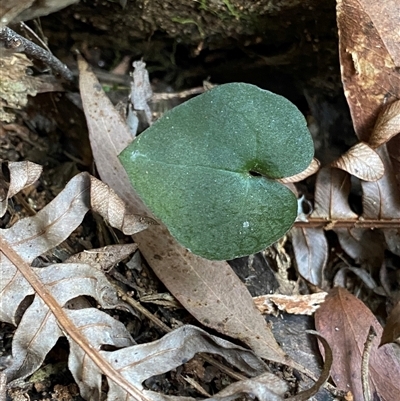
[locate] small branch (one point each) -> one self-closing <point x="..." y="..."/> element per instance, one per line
<point x="19" y="44"/>
<point x="365" y="364"/>
<point x="348" y="223"/>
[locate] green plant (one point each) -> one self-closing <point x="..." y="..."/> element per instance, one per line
<point x="208" y="169"/>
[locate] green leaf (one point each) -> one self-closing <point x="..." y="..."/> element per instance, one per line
<point x="194" y="168"/>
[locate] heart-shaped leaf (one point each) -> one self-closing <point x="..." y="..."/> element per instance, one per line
<point x="208" y="167"/>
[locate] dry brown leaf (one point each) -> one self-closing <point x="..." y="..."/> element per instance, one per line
<point x="311" y="252"/>
<point x="362" y="162"/>
<point x="387" y="125"/>
<point x="368" y="49"/>
<point x="209" y="290"/>
<point x="310" y="170"/>
<point x="293" y="304"/>
<point x="345" y="321"/>
<point x="22" y="175"/>
<point x="391" y="332"/>
<point x="331" y="195"/>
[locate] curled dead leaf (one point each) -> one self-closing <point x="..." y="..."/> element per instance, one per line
<point x="22" y="175"/>
<point x="310" y="170"/>
<point x="387" y="125"/>
<point x="362" y="162"/>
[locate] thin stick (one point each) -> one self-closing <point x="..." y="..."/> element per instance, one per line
<point x="348" y="223"/>
<point x="19" y="44"/>
<point x="365" y="364"/>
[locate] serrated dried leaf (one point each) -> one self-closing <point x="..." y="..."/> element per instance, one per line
<point x="387" y="125"/>
<point x="331" y="195"/>
<point x="362" y="162"/>
<point x="368" y="50"/>
<point x="311" y="252"/>
<point x="310" y="170"/>
<point x="22" y="175"/>
<point x="345" y="321"/>
<point x="209" y="290"/>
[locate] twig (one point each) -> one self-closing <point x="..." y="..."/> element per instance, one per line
<point x="19" y="44"/>
<point x="365" y="364"/>
<point x="348" y="223"/>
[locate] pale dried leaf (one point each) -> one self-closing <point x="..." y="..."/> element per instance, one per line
<point x="141" y="91"/>
<point x="311" y="252"/>
<point x="331" y="195"/>
<point x="209" y="290"/>
<point x="369" y="74"/>
<point x="28" y="238"/>
<point x="22" y="175"/>
<point x="362" y="162"/>
<point x="391" y="332"/>
<point x="310" y="170"/>
<point x="103" y="258"/>
<point x="9" y="10"/>
<point x="365" y="246"/>
<point x="42" y="8"/>
<point x="361" y="273"/>
<point x="345" y="321"/>
<point x="140" y="362"/>
<point x="32" y="236"/>
<point x="381" y="199"/>
<point x="107" y="203"/>
<point x="387" y="125"/>
<point x="292" y="304"/>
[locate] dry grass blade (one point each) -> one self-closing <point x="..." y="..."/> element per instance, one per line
<point x="22" y="175"/>
<point x="362" y="162"/>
